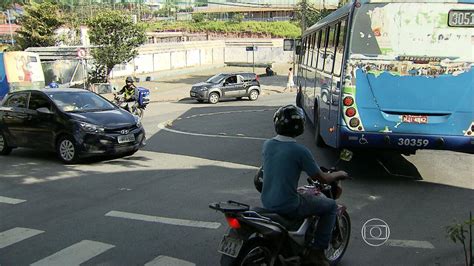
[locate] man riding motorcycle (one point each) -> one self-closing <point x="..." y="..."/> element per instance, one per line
<point x="128" y="92"/>
<point x="283" y="162"/>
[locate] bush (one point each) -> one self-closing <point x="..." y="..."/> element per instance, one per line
<point x="198" y="17"/>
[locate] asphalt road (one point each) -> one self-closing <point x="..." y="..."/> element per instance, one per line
<point x="152" y="207"/>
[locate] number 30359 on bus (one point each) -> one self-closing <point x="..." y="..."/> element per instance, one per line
<point x="413" y="142"/>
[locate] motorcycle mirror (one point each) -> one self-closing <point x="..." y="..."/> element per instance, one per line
<point x="346" y="155"/>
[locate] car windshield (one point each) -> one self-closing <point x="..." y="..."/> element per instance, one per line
<point x="216" y="78"/>
<point x="80" y="101"/>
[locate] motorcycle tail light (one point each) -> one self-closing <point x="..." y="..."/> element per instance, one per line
<point x="233" y="222"/>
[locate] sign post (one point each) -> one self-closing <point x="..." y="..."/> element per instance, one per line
<point x="252" y="48"/>
<point x="81" y="54"/>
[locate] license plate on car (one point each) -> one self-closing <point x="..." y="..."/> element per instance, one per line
<point x="230" y="246"/>
<point x="126" y="138"/>
<point x="419" y="119"/>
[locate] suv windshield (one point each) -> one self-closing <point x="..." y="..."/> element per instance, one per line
<point x="216" y="78"/>
<point x="411" y="29"/>
<point x="80" y="101"/>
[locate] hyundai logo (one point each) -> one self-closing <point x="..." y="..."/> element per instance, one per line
<point x="124" y="131"/>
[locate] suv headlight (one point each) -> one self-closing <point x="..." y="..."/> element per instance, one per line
<point x="91" y="128"/>
<point x="202" y="88"/>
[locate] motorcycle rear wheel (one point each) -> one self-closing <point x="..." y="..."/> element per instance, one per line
<point x="337" y="248"/>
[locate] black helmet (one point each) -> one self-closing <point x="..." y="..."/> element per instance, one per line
<point x="289" y="121"/>
<point x="129" y="80"/>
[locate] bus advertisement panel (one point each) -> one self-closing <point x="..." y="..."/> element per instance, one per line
<point x="408" y="82"/>
<point x="20" y="71"/>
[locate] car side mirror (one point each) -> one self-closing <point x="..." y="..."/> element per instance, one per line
<point x="44" y="110"/>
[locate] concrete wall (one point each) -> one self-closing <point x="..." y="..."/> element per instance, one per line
<point x="268" y="51"/>
<point x="170" y="56"/>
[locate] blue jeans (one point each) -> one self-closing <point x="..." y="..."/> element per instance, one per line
<point x="326" y="209"/>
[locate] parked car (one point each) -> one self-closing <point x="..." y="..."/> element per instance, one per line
<point x="73" y="122"/>
<point x="233" y="85"/>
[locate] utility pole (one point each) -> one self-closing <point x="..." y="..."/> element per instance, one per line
<point x="304" y="6"/>
<point x="10" y="25"/>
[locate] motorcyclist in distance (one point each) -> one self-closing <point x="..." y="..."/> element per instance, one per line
<point x="283" y="162"/>
<point x="128" y="91"/>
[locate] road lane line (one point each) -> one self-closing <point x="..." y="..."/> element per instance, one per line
<point x="163" y="220"/>
<point x="16" y="234"/>
<point x="409" y="244"/>
<point x="163" y="127"/>
<point x="75" y="254"/>
<point x="168" y="261"/>
<point x="10" y="200"/>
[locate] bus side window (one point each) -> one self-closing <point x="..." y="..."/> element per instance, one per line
<point x="303" y="51"/>
<point x="322" y="49"/>
<point x="306" y="51"/>
<point x="339" y="59"/>
<point x="315" y="46"/>
<point x="331" y="45"/>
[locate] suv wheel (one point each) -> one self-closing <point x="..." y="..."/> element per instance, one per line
<point x="253" y="96"/>
<point x="213" y="98"/>
<point x="4" y="149"/>
<point x="67" y="150"/>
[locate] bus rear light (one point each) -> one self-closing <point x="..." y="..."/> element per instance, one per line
<point x="472" y="127"/>
<point x="354" y="122"/>
<point x="359" y="128"/>
<point x="469" y="133"/>
<point x="350" y="112"/>
<point x="348" y="101"/>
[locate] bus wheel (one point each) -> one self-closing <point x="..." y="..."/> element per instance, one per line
<point x="317" y="129"/>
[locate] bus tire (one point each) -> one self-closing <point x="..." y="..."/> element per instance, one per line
<point x="318" y="140"/>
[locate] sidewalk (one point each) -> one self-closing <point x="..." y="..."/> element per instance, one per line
<point x="165" y="87"/>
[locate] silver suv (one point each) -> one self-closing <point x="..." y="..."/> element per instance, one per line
<point x="227" y="85"/>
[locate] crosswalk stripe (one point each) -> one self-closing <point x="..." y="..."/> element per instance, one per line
<point x="163" y="220"/>
<point x="75" y="254"/>
<point x="410" y="244"/>
<point x="10" y="200"/>
<point x="16" y="234"/>
<point x="168" y="261"/>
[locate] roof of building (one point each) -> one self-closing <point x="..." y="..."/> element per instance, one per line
<point x="5" y="28"/>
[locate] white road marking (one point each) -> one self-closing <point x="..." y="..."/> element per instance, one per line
<point x="168" y="261"/>
<point x="409" y="244"/>
<point x="16" y="234"/>
<point x="75" y="254"/>
<point x="10" y="200"/>
<point x="163" y="127"/>
<point x="163" y="220"/>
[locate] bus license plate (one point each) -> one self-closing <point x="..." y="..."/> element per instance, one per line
<point x="230" y="246"/>
<point x="419" y="119"/>
<point x="126" y="138"/>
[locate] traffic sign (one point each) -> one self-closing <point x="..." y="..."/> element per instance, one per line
<point x="81" y="53"/>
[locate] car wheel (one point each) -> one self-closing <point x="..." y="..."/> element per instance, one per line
<point x="4" y="149"/>
<point x="253" y="96"/>
<point x="66" y="149"/>
<point x="213" y="98"/>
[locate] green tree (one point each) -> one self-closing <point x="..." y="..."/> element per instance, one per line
<point x="198" y="17"/>
<point x="308" y="14"/>
<point x="116" y="37"/>
<point x="462" y="233"/>
<point x="38" y="25"/>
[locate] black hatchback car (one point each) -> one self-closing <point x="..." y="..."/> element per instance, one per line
<point x="232" y="85"/>
<point x="75" y="123"/>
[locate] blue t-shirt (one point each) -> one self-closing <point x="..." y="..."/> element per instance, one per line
<point x="283" y="162"/>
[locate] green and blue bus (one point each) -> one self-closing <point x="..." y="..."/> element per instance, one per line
<point x="395" y="75"/>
